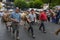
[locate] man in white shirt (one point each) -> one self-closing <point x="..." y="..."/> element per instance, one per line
<point x="31" y="19"/>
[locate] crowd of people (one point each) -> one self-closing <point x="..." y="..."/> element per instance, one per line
<point x="12" y="19"/>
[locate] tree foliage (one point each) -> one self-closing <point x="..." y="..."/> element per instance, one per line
<point x="30" y="4"/>
<point x="52" y="2"/>
<point x="35" y="3"/>
<point x="38" y="3"/>
<point x="21" y="4"/>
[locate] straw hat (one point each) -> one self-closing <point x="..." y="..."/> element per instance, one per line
<point x="11" y="10"/>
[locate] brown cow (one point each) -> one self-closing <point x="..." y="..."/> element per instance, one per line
<point x="24" y="18"/>
<point x="6" y="18"/>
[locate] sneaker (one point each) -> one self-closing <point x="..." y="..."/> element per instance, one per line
<point x="40" y="29"/>
<point x="28" y="30"/>
<point x="44" y="31"/>
<point x="17" y="38"/>
<point x="6" y="27"/>
<point x="33" y="36"/>
<point x="13" y="32"/>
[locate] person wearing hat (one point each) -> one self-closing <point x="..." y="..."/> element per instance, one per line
<point x="31" y="19"/>
<point x="58" y="16"/>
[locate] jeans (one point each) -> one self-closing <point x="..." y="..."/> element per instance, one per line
<point x="57" y="20"/>
<point x="15" y="27"/>
<point x="31" y="28"/>
<point x="53" y="20"/>
<point x="42" y="26"/>
<point x="49" y="19"/>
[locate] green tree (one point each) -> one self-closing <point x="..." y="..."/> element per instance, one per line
<point x="35" y="3"/>
<point x="31" y="4"/>
<point x="52" y="2"/>
<point x="46" y="1"/>
<point x="21" y="4"/>
<point x="38" y="3"/>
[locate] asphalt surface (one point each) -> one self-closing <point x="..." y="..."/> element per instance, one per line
<point x="24" y="35"/>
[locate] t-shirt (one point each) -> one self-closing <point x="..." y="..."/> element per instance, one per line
<point x="16" y="16"/>
<point x="43" y="17"/>
<point x="32" y="17"/>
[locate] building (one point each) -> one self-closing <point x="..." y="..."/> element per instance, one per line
<point x="6" y="0"/>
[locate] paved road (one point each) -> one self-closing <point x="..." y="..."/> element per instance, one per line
<point x="24" y="35"/>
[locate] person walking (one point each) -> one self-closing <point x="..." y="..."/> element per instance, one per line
<point x="58" y="16"/>
<point x="31" y="19"/>
<point x="53" y="16"/>
<point x="42" y="18"/>
<point x="48" y="15"/>
<point x="16" y="18"/>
